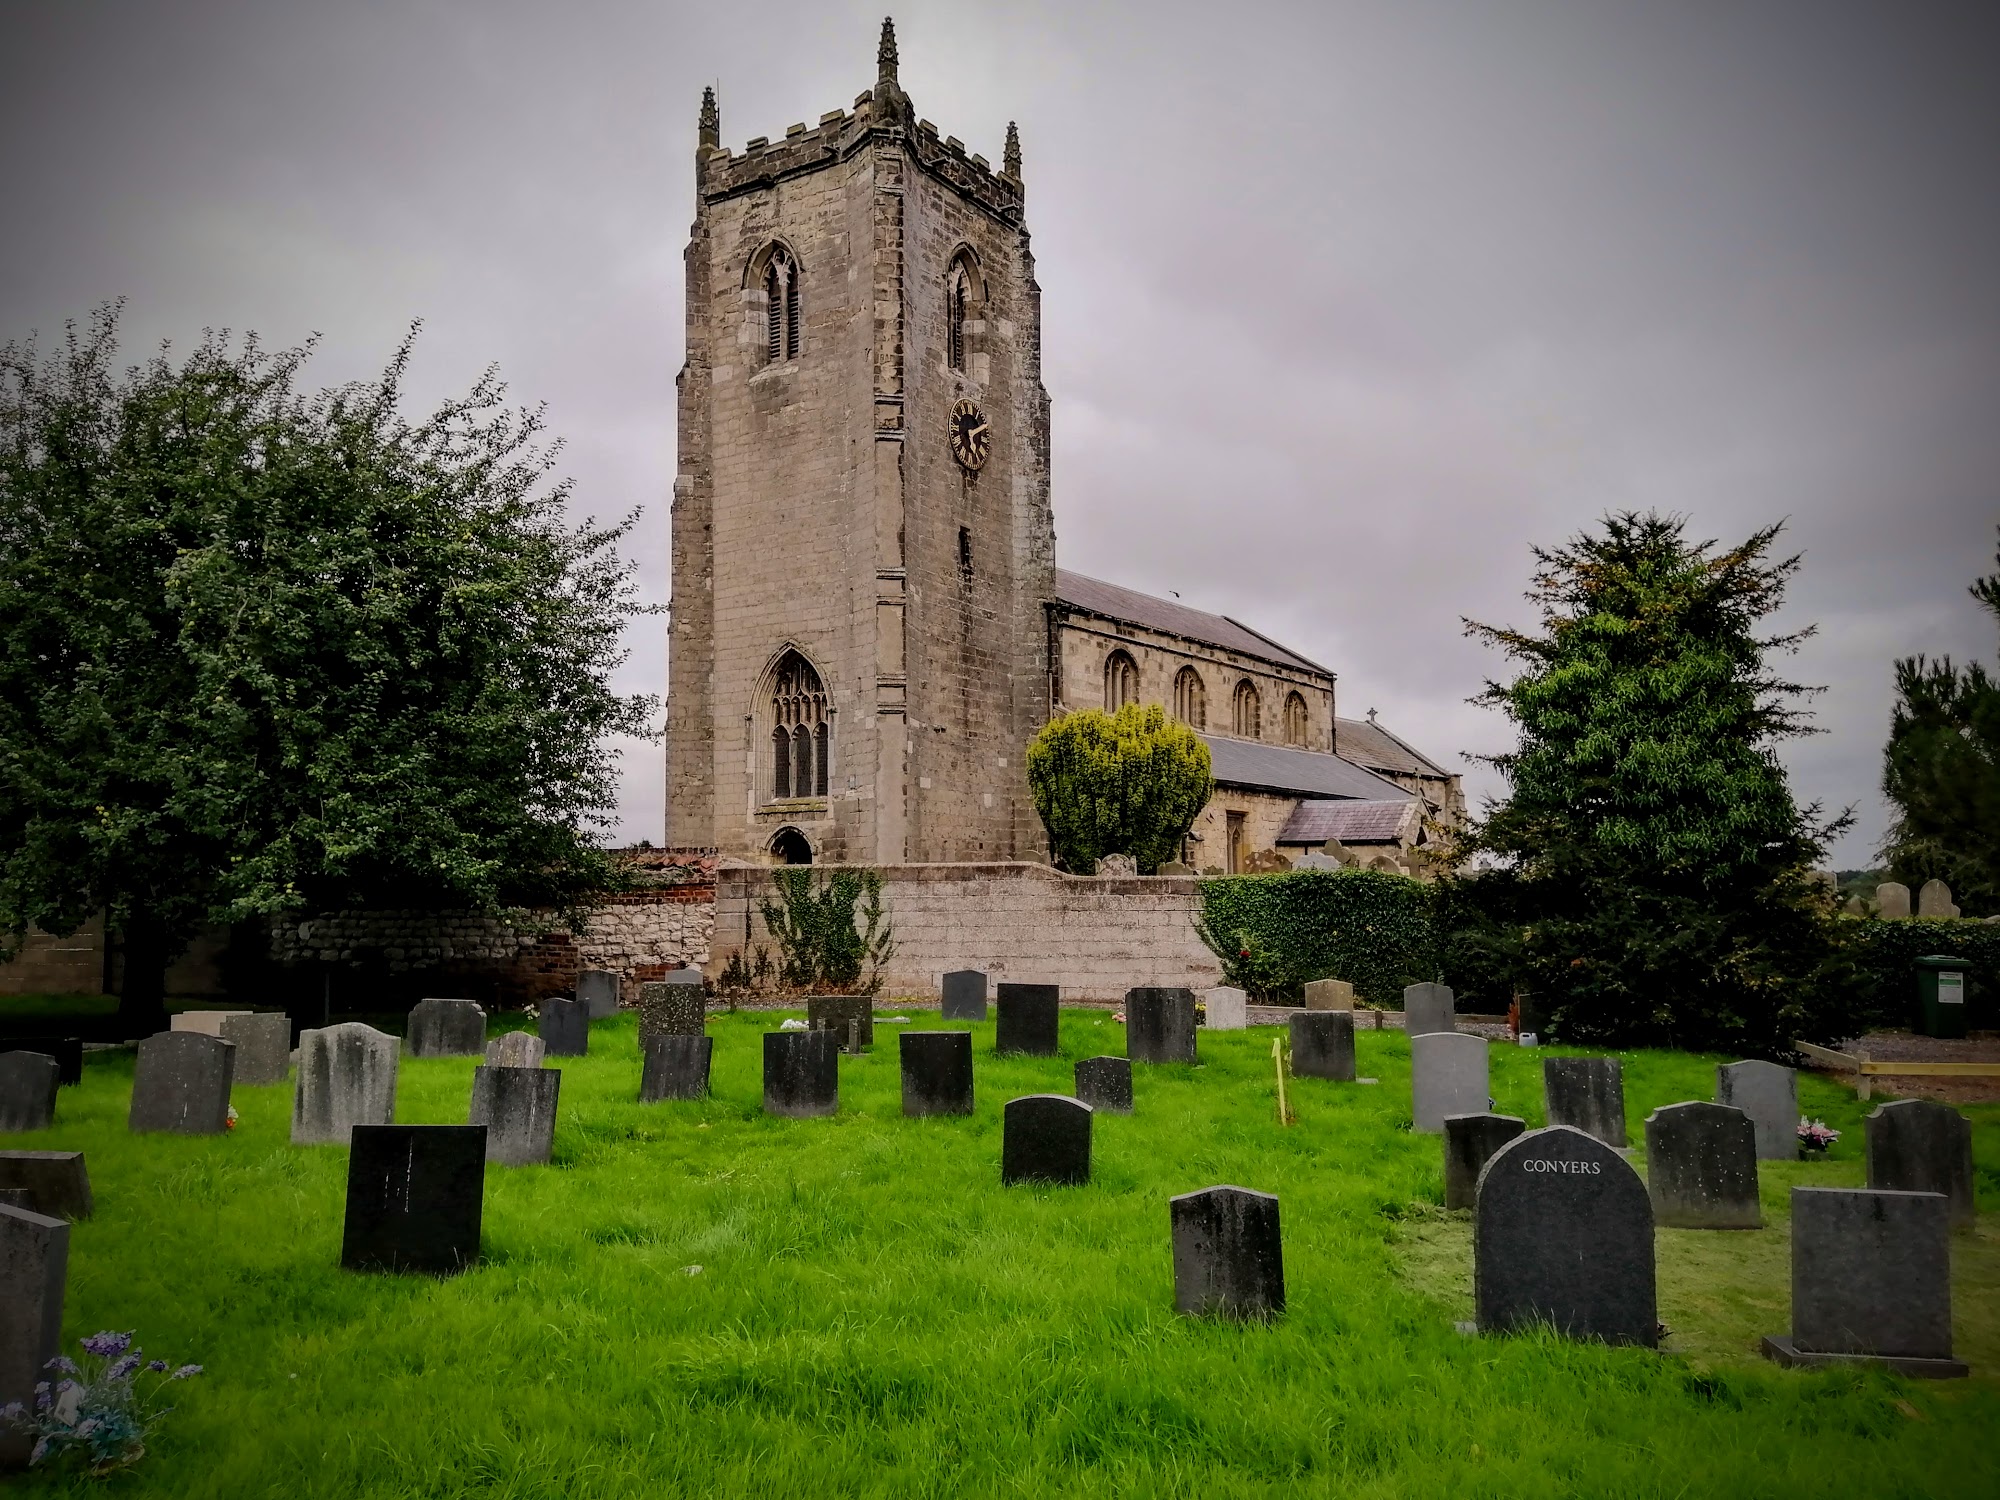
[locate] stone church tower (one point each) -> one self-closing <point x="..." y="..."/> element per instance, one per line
<point x="863" y="556"/>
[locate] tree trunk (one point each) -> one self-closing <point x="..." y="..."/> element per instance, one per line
<point x="142" y="998"/>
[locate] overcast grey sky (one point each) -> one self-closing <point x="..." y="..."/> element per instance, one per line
<point x="1345" y="304"/>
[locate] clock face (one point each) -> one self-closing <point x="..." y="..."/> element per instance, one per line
<point x="971" y="435"/>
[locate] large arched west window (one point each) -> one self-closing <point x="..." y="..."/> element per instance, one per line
<point x="801" y="736"/>
<point x="1121" y="681"/>
<point x="775" y="273"/>
<point x="1247" y="711"/>
<point x="1190" y="699"/>
<point x="1295" y="719"/>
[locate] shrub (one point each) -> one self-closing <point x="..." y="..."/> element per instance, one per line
<point x="833" y="935"/>
<point x="1132" y="783"/>
<point x="1274" y="933"/>
<point x="1881" y="962"/>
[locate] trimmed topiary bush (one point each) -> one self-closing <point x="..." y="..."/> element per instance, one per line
<point x="1132" y="783"/>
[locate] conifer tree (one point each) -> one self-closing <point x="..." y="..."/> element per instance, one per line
<point x="1132" y="783"/>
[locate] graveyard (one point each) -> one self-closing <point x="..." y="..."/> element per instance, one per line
<point x="707" y="1296"/>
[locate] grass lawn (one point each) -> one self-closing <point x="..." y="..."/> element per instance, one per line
<point x="697" y="1300"/>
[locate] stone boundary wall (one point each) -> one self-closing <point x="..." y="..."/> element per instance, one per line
<point x="1097" y="937"/>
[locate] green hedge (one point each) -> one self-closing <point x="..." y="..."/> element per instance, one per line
<point x="1273" y="933"/>
<point x="1883" y="955"/>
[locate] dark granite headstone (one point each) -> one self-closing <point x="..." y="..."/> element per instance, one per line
<point x="54" y="1182"/>
<point x="1587" y="1094"/>
<point x="1159" y="1025"/>
<point x="1323" y="1044"/>
<point x="851" y="1019"/>
<point x="1701" y="1167"/>
<point x="181" y="1083"/>
<point x="263" y="1047"/>
<point x="965" y="995"/>
<point x="415" y="1194"/>
<point x="447" y="1028"/>
<point x="34" y="1269"/>
<point x="1105" y="1083"/>
<point x="801" y="1073"/>
<point x="28" y="1084"/>
<point x="675" y="1067"/>
<point x="937" y="1072"/>
<point x="564" y="1027"/>
<point x="1448" y="1077"/>
<point x="1769" y="1095"/>
<point x="597" y="993"/>
<point x="1029" y="1017"/>
<point x="1921" y="1146"/>
<point x="674" y="1006"/>
<point x="1469" y="1143"/>
<point x="518" y="1108"/>
<point x="1229" y="1259"/>
<point x="1045" y="1138"/>
<point x="1429" y="1008"/>
<point x="66" y="1050"/>
<point x="1871" y="1281"/>
<point x="347" y="1077"/>
<point x="1562" y="1233"/>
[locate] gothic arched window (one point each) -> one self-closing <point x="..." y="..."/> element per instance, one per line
<point x="1295" y="719"/>
<point x="958" y="303"/>
<point x="1121" y="681"/>
<point x="1190" y="699"/>
<point x="801" y="737"/>
<point x="780" y="283"/>
<point x="1248" y="712"/>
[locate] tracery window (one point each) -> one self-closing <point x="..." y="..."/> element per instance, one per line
<point x="957" y="311"/>
<point x="781" y="305"/>
<point x="1190" y="699"/>
<point x="1248" y="711"/>
<point x="1295" y="719"/>
<point x="801" y="737"/>
<point x="1121" y="681"/>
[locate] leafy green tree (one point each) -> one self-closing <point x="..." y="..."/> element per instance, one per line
<point x="1649" y="869"/>
<point x="1941" y="769"/>
<point x="264" y="651"/>
<point x="1132" y="783"/>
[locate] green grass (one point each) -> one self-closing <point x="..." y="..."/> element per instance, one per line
<point x="875" y="1314"/>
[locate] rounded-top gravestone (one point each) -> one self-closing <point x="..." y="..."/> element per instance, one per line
<point x="1447" y="1077"/>
<point x="1892" y="899"/>
<point x="1029" y="1019"/>
<point x="1701" y="1167"/>
<point x="346" y="1077"/>
<point x="447" y="1028"/>
<point x="937" y="1072"/>
<point x="1769" y="1095"/>
<point x="1586" y="1093"/>
<point x="180" y="1083"/>
<point x="516" y="1049"/>
<point x="1323" y="1044"/>
<point x="28" y="1084"/>
<point x="1159" y="1025"/>
<point x="1229" y="1257"/>
<point x="1045" y="1138"/>
<point x="1105" y="1083"/>
<point x="801" y="1073"/>
<point x="1429" y="1008"/>
<point x="1921" y="1146"/>
<point x="66" y="1050"/>
<point x="964" y="996"/>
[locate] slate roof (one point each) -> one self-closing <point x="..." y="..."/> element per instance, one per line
<point x="1349" y="820"/>
<point x="1373" y="746"/>
<point x="1094" y="596"/>
<point x="1306" y="773"/>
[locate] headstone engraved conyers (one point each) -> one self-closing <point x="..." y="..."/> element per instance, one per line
<point x="1228" y="1254"/>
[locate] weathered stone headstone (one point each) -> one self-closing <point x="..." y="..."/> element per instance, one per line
<point x="1225" y="1008"/>
<point x="66" y="1050"/>
<point x="1329" y="994"/>
<point x="1117" y="864"/>
<point x="207" y="1022"/>
<point x="516" y="1049"/>
<point x="1921" y="1146"/>
<point x="1028" y="1019"/>
<point x="965" y="995"/>
<point x="674" y="1006"/>
<point x="518" y="1108"/>
<point x="1871" y="1281"/>
<point x="1892" y="899"/>
<point x="1045" y="1138"/>
<point x="34" y="1269"/>
<point x="801" y="1073"/>
<point x="1159" y="1025"/>
<point x="1229" y="1258"/>
<point x="181" y="1083"/>
<point x="28" y="1084"/>
<point x="1934" y="900"/>
<point x="1587" y="1093"/>
<point x="937" y="1072"/>
<point x="1469" y="1143"/>
<point x="1323" y="1044"/>
<point x="415" y="1195"/>
<point x="447" y="1028"/>
<point x="1429" y="1008"/>
<point x="597" y="993"/>
<point x="263" y="1047"/>
<point x="1175" y="867"/>
<point x="54" y="1182"/>
<point x="675" y="1067"/>
<point x="851" y="1018"/>
<point x="347" y="1077"/>
<point x="1701" y="1167"/>
<point x="1769" y="1095"/>
<point x="1105" y="1083"/>
<point x="1562" y="1233"/>
<point x="1447" y="1077"/>
<point x="564" y="1025"/>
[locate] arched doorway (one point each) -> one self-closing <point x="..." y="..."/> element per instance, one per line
<point x="791" y="848"/>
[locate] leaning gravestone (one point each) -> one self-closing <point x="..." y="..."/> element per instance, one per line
<point x="447" y="1028"/>
<point x="1045" y="1138"/>
<point x="1562" y="1234"/>
<point x="1934" y="900"/>
<point x="1919" y="1146"/>
<point x="54" y="1182"/>
<point x="347" y="1077"/>
<point x="565" y="1027"/>
<point x="518" y="1108"/>
<point x="801" y="1073"/>
<point x="1429" y="1008"/>
<point x="1029" y="1019"/>
<point x="1229" y="1259"/>
<point x="516" y="1049"/>
<point x="1105" y="1083"/>
<point x="34" y="1269"/>
<point x="415" y="1194"/>
<point x="263" y="1046"/>
<point x="937" y="1072"/>
<point x="1225" y="1008"/>
<point x="674" y="1006"/>
<point x="1871" y="1281"/>
<point x="1323" y="1044"/>
<point x="1892" y="899"/>
<point x="1587" y="1093"/>
<point x="1469" y="1143"/>
<point x="181" y="1083"/>
<point x="66" y="1050"/>
<point x="1701" y="1167"/>
<point x="965" y="995"/>
<point x="675" y="1067"/>
<point x="1159" y="1025"/>
<point x="851" y="1018"/>
<point x="1769" y="1095"/>
<point x="597" y="993"/>
<point x="1329" y="994"/>
<point x="28" y="1084"/>
<point x="1447" y="1077"/>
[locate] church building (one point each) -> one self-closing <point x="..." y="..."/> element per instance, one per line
<point x="867" y="623"/>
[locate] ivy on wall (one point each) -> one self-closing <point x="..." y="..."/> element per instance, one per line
<point x="1274" y="933"/>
